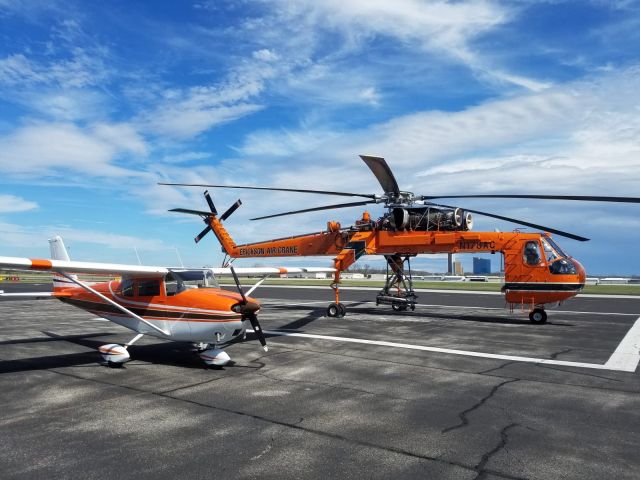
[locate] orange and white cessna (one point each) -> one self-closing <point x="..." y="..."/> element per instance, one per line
<point x="178" y="304"/>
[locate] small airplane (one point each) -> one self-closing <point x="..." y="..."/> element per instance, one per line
<point x="185" y="305"/>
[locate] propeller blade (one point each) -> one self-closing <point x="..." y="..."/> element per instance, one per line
<point x="521" y="222"/>
<point x="210" y="202"/>
<point x="202" y="233"/>
<point x="315" y="209"/>
<point x="583" y="198"/>
<point x="299" y="190"/>
<point x="190" y="212"/>
<point x="258" y="329"/>
<point x="383" y="173"/>
<point x="230" y="210"/>
<point x="235" y="278"/>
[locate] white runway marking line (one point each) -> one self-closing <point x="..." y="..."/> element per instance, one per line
<point x="627" y="355"/>
<point x="462" y="307"/>
<point x="624" y="359"/>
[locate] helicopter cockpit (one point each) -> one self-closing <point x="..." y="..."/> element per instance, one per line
<point x="179" y="280"/>
<point x="559" y="263"/>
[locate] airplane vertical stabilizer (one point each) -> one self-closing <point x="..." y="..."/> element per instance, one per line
<point x="59" y="252"/>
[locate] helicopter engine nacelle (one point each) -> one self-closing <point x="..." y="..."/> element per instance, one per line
<point x="455" y="218"/>
<point x="467" y="221"/>
<point x="399" y="218"/>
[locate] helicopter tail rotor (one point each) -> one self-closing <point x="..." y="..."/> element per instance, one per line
<point x="206" y="216"/>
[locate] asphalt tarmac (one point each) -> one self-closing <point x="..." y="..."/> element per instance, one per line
<point x="460" y="388"/>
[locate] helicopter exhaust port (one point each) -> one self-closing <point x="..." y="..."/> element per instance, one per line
<point x="467" y="221"/>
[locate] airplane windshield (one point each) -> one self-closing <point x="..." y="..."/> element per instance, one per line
<point x="178" y="281"/>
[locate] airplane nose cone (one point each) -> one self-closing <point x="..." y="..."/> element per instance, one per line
<point x="252" y="305"/>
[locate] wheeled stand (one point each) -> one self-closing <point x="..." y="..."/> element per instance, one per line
<point x="398" y="288"/>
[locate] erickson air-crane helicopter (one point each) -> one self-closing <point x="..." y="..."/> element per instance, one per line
<point x="536" y="270"/>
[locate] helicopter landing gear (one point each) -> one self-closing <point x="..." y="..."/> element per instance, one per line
<point x="538" y="316"/>
<point x="336" y="310"/>
<point x="398" y="288"/>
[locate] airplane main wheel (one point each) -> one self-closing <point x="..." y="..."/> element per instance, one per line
<point x="398" y="307"/>
<point x="333" y="310"/>
<point x="538" y="316"/>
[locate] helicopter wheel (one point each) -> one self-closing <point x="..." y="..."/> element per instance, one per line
<point x="333" y="310"/>
<point x="538" y="316"/>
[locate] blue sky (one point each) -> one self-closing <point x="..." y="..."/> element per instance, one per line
<point x="101" y="100"/>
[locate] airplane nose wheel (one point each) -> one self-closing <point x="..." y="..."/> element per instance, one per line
<point x="538" y="316"/>
<point x="336" y="310"/>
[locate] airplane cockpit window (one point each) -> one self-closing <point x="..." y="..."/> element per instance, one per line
<point x="126" y="286"/>
<point x="532" y="253"/>
<point x="187" y="279"/>
<point x="171" y="284"/>
<point x="149" y="288"/>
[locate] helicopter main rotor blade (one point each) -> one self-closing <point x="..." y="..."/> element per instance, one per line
<point x="583" y="198"/>
<point x="275" y="189"/>
<point x="383" y="173"/>
<point x="315" y="209"/>
<point x="521" y="222"/>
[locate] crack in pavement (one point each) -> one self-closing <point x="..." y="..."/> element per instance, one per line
<point x="337" y="386"/>
<point x="506" y="364"/>
<point x="555" y="355"/>
<point x="463" y="415"/>
<point x="504" y="438"/>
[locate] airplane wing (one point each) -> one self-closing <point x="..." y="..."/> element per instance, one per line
<point x="45" y="265"/>
<point x="270" y="270"/>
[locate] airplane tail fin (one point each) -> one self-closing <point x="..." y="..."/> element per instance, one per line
<point x="59" y="252"/>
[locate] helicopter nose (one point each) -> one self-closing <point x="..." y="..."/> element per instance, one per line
<point x="582" y="274"/>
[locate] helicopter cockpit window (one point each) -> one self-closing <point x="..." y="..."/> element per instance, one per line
<point x="549" y="252"/>
<point x="555" y="246"/>
<point x="532" y="253"/>
<point x="126" y="286"/>
<point x="563" y="266"/>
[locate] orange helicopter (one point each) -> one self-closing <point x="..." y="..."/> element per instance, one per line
<point x="536" y="270"/>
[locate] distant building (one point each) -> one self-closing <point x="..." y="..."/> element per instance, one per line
<point x="481" y="265"/>
<point x="457" y="268"/>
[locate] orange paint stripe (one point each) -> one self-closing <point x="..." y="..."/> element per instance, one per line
<point x="282" y="270"/>
<point x="38" y="264"/>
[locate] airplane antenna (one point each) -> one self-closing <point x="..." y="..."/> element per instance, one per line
<point x="179" y="257"/>
<point x="137" y="256"/>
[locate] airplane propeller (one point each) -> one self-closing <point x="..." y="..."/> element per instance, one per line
<point x="250" y="315"/>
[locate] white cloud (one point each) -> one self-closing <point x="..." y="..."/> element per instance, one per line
<point x="80" y="70"/>
<point x="185" y="114"/>
<point x="265" y="55"/>
<point x="53" y="149"/>
<point x="11" y="204"/>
